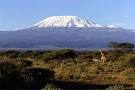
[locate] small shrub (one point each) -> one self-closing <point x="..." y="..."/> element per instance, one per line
<point x="95" y="53"/>
<point x="51" y="87"/>
<point x="116" y="87"/>
<point x="9" y="74"/>
<point x="10" y="54"/>
<point x="125" y="61"/>
<point x="129" y="74"/>
<point x="124" y="46"/>
<point x="60" y="54"/>
<point x="29" y="54"/>
<point x="39" y="73"/>
<point x="113" y="55"/>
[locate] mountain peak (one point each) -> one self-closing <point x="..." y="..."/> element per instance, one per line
<point x="65" y="21"/>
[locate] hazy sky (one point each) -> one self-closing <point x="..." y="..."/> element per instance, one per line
<point x="16" y="14"/>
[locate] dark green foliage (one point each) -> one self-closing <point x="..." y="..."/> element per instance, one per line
<point x="31" y="70"/>
<point x="125" y="46"/>
<point x="26" y="54"/>
<point x="36" y="78"/>
<point x="20" y="74"/>
<point x="95" y="54"/>
<point x="116" y="87"/>
<point x="50" y="87"/>
<point x="113" y="55"/>
<point x="39" y="73"/>
<point x="30" y="54"/>
<point x="26" y="63"/>
<point x="125" y="62"/>
<point x="10" y="74"/>
<point x="129" y="74"/>
<point x="10" y="54"/>
<point x="59" y="54"/>
<point x="85" y="55"/>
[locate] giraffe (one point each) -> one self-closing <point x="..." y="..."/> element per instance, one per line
<point x="103" y="58"/>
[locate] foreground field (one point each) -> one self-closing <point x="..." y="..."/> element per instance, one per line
<point x="67" y="70"/>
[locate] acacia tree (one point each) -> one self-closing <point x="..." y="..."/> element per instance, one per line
<point x="125" y="46"/>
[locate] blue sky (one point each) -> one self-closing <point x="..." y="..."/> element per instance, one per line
<point x="17" y="14"/>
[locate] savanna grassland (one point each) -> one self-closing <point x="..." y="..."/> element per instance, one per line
<point x="68" y="69"/>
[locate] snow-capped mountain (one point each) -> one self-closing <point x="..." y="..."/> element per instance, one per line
<point x="65" y="32"/>
<point x="66" y="21"/>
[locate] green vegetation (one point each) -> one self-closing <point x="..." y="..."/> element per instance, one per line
<point x="79" y="70"/>
<point x="129" y="74"/>
<point x="66" y="53"/>
<point x="116" y="87"/>
<point x="121" y="46"/>
<point x="50" y="87"/>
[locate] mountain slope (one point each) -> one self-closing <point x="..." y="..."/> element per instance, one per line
<point x="65" y="32"/>
<point x="49" y="38"/>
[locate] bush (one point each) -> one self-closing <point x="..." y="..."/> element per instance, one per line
<point x="17" y="74"/>
<point x="10" y="74"/>
<point x="51" y="87"/>
<point x="10" y="54"/>
<point x="39" y="73"/>
<point x="95" y="53"/>
<point x="116" y="87"/>
<point x="60" y="54"/>
<point x="129" y="74"/>
<point x="113" y="55"/>
<point x="124" y="46"/>
<point x="125" y="61"/>
<point x="29" y="54"/>
<point x="85" y="55"/>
